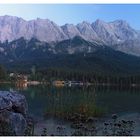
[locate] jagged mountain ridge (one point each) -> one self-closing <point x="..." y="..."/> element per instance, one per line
<point x="12" y="28"/>
<point x="113" y="34"/>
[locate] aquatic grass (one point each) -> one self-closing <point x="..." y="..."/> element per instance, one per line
<point x="64" y="105"/>
<point x="66" y="111"/>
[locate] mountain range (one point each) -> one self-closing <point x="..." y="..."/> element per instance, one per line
<point x="116" y="34"/>
<point x="42" y="40"/>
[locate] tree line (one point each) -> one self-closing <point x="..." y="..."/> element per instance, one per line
<point x="51" y="74"/>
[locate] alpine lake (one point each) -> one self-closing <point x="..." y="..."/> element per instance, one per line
<point x="54" y="108"/>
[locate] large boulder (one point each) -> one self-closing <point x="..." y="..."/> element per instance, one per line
<point x="14" y="101"/>
<point x="5" y="104"/>
<point x="13" y="113"/>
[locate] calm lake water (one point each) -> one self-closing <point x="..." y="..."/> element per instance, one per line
<point x="50" y="104"/>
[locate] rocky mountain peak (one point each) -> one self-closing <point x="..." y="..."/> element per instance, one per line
<point x="70" y="30"/>
<point x="110" y="33"/>
<point x="87" y="31"/>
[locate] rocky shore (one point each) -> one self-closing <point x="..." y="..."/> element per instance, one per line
<point x="13" y="113"/>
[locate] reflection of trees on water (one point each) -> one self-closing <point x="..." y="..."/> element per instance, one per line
<point x="71" y="100"/>
<point x="60" y="101"/>
<point x="32" y="95"/>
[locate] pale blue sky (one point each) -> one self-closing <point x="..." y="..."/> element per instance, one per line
<point x="74" y="13"/>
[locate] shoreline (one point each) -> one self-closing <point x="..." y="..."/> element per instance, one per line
<point x="51" y="124"/>
<point x="74" y="85"/>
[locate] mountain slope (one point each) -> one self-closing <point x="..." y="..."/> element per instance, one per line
<point x="129" y="47"/>
<point x="21" y="55"/>
<point x="103" y="61"/>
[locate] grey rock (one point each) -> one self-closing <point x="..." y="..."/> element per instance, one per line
<point x="15" y="121"/>
<point x="17" y="102"/>
<point x="5" y="104"/>
<point x="13" y="112"/>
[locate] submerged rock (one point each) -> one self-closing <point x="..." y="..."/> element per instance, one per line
<point x="13" y="113"/>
